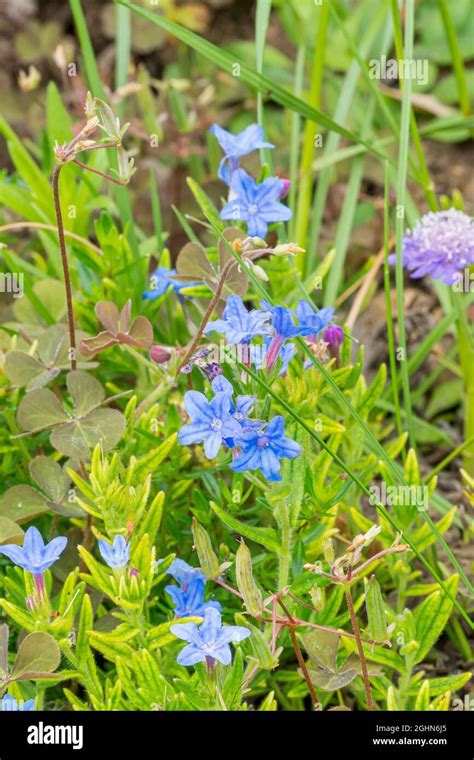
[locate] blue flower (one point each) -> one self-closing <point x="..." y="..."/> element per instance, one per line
<point x="162" y="280"/>
<point x="184" y="573"/>
<point x="257" y="205"/>
<point x="236" y="146"/>
<point x="239" y="410"/>
<point x="210" y="641"/>
<point x="35" y="556"/>
<point x="117" y="554"/>
<point x="262" y="450"/>
<point x="9" y="704"/>
<point x="211" y="422"/>
<point x="311" y="322"/>
<point x="283" y="328"/>
<point x="238" y="324"/>
<point x="189" y="601"/>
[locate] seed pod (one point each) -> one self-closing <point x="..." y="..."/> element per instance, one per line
<point x="317" y="597"/>
<point x="328" y="549"/>
<point x="375" y="611"/>
<point x="207" y="557"/>
<point x="252" y="595"/>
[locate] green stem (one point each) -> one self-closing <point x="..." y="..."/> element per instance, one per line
<point x="458" y="63"/>
<point x="307" y="157"/>
<point x="466" y="356"/>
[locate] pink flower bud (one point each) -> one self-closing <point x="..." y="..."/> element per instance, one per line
<point x="159" y="354"/>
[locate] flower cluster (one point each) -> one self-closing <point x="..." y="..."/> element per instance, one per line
<point x="441" y="244"/>
<point x="221" y="421"/>
<point x="255" y="204"/>
<point x="275" y="324"/>
<point x="188" y="597"/>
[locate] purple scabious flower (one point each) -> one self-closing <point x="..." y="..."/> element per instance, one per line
<point x="238" y="324"/>
<point x="210" y="641"/>
<point x="257" y="205"/>
<point x="189" y="601"/>
<point x="115" y="555"/>
<point x="262" y="450"/>
<point x="441" y="244"/>
<point x="236" y="146"/>
<point x="9" y="704"/>
<point x="211" y="422"/>
<point x="162" y="281"/>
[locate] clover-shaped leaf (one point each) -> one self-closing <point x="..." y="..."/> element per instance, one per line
<point x="38" y="656"/>
<point x="49" y="294"/>
<point x="23" y="503"/>
<point x="52" y="356"/>
<point x="10" y="532"/>
<point x="74" y="434"/>
<point x="193" y="265"/>
<point x="322" y="647"/>
<point x="117" y="329"/>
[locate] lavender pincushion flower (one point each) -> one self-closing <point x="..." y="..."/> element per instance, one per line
<point x="441" y="244"/>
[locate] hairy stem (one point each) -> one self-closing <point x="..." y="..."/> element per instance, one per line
<point x="219" y="288"/>
<point x="67" y="276"/>
<point x="360" y="649"/>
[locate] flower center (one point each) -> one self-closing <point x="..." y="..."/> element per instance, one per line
<point x="239" y="416"/>
<point x="253" y="209"/>
<point x="263" y="442"/>
<point x="217" y="424"/>
<point x="209" y="647"/>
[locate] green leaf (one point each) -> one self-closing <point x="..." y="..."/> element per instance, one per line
<point x="77" y="438"/>
<point x="205" y="203"/>
<point x="265" y="536"/>
<point x="40" y="409"/>
<point x="22" y="503"/>
<point x="87" y="393"/>
<point x="203" y="544"/>
<point x="193" y="264"/>
<point x="431" y="617"/>
<point x="38" y="654"/>
<point x="10" y="532"/>
<point x="443" y="684"/>
<point x="50" y="477"/>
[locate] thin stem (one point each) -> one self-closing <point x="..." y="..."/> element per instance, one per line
<point x="67" y="276"/>
<point x="360" y="649"/>
<point x="207" y="315"/>
<point x="101" y="174"/>
<point x="300" y="657"/>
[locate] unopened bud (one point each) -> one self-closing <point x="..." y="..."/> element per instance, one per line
<point x="159" y="354"/>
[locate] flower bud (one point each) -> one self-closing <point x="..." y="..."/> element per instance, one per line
<point x="159" y="354"/>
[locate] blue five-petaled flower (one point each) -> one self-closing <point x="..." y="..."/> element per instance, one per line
<point x="257" y="205"/>
<point x="263" y="449"/>
<point x="10" y="704"/>
<point x="238" y="324"/>
<point x="162" y="280"/>
<point x="210" y="641"/>
<point x="117" y="554"/>
<point x="189" y="601"/>
<point x="236" y="146"/>
<point x="211" y="422"/>
<point x="184" y="573"/>
<point x="35" y="556"/>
